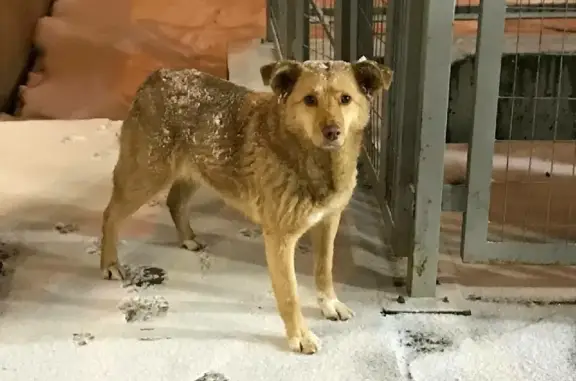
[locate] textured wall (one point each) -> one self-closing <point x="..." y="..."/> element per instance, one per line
<point x="17" y="21"/>
<point x="97" y="52"/>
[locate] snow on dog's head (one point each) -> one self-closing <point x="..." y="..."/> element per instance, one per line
<point x="326" y="101"/>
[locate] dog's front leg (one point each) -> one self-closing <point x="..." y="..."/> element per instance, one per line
<point x="323" y="236"/>
<point x="280" y="258"/>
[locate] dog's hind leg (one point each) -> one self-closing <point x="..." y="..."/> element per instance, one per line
<point x="322" y="236"/>
<point x="134" y="183"/>
<point x="280" y="258"/>
<point x="178" y="202"/>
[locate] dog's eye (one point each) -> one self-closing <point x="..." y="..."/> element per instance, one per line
<point x="310" y="100"/>
<point x="345" y="99"/>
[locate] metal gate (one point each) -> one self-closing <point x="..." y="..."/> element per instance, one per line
<point x="404" y="145"/>
<point x="524" y="114"/>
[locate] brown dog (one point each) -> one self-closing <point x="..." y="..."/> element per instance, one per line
<point x="285" y="159"/>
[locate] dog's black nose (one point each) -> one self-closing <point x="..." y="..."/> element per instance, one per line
<point x="331" y="133"/>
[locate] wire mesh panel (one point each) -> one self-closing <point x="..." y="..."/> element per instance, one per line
<point x="522" y="160"/>
<point x="371" y="44"/>
<point x="288" y="26"/>
<point x="524" y="9"/>
<point x="372" y="23"/>
<point x="321" y="17"/>
<point x="395" y="154"/>
<point x="390" y="144"/>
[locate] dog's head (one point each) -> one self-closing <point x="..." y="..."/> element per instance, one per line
<point x="326" y="101"/>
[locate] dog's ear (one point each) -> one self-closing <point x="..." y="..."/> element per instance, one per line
<point x="266" y="72"/>
<point x="372" y="77"/>
<point x="281" y="76"/>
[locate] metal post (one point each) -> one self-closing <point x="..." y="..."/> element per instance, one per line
<point x="361" y="43"/>
<point x="489" y="47"/>
<point x="342" y="30"/>
<point x="431" y="23"/>
<point x="289" y="28"/>
<point x="397" y="48"/>
<point x="269" y="32"/>
<point x="404" y="57"/>
<point x="276" y="23"/>
<point x="302" y="31"/>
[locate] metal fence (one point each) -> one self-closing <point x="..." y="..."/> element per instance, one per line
<point x="522" y="145"/>
<point x="447" y="86"/>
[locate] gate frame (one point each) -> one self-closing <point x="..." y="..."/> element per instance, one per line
<point x="412" y="224"/>
<point x="475" y="246"/>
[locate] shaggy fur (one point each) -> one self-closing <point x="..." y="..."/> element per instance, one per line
<point x="285" y="159"/>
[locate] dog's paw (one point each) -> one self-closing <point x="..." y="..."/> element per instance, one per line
<point x="306" y="343"/>
<point x="335" y="310"/>
<point x="193" y="245"/>
<point x="113" y="272"/>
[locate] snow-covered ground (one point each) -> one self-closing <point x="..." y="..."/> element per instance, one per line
<point x="59" y="321"/>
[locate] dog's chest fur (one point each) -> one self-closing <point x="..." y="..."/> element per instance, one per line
<point x="334" y="204"/>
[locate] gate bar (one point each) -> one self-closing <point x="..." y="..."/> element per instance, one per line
<point x="288" y="28"/>
<point x="301" y="46"/>
<point x="431" y="22"/>
<point x="269" y="29"/>
<point x="489" y="48"/>
<point x="361" y="39"/>
<point x="342" y="31"/>
<point x="402" y="161"/>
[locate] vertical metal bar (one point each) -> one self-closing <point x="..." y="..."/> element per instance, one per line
<point x="396" y="36"/>
<point x="395" y="101"/>
<point x="276" y="25"/>
<point x="432" y="23"/>
<point x="289" y="28"/>
<point x="361" y="29"/>
<point x="391" y="33"/>
<point x="281" y="23"/>
<point x="404" y="129"/>
<point x="342" y="30"/>
<point x="489" y="47"/>
<point x="269" y="32"/>
<point x="302" y="30"/>
<point x="402" y="48"/>
<point x="390" y="55"/>
<point x="354" y="24"/>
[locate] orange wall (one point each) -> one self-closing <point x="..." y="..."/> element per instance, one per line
<point x="97" y="52"/>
